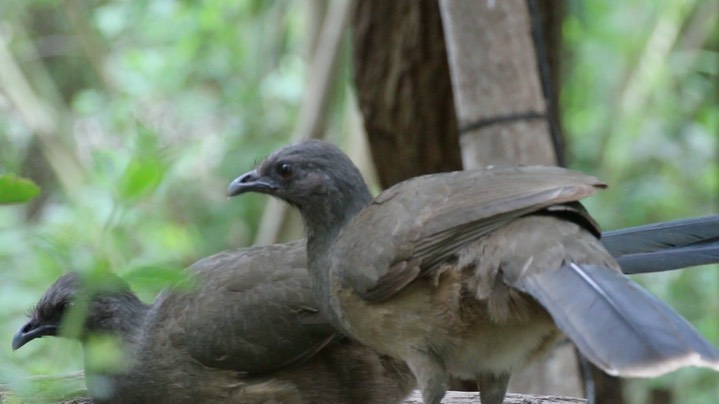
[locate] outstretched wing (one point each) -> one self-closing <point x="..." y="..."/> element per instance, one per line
<point x="410" y="228"/>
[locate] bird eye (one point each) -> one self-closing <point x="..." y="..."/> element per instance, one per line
<point x="284" y="170"/>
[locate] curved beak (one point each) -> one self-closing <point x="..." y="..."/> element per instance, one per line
<point x="31" y="330"/>
<point x="251" y="182"/>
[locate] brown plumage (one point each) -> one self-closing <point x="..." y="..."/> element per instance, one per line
<point x="249" y="332"/>
<point x="472" y="273"/>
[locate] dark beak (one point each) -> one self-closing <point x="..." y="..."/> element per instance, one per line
<point x="251" y="182"/>
<point x="33" y="329"/>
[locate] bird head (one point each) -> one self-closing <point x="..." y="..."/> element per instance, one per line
<point x="314" y="176"/>
<point x="58" y="301"/>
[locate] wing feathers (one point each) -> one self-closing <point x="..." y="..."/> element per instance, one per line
<point x="398" y="276"/>
<point x="430" y="218"/>
<point x="250" y="310"/>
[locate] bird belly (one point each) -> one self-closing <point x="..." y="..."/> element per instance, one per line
<point x="410" y="320"/>
<point x="498" y="349"/>
<point x="428" y="318"/>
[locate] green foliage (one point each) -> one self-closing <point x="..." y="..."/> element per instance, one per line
<point x="157" y="106"/>
<point x="640" y="107"/>
<point x="14" y="189"/>
<point x="144" y="171"/>
<point x="146" y="277"/>
<point x="640" y="111"/>
<point x="104" y="353"/>
<point x="50" y="389"/>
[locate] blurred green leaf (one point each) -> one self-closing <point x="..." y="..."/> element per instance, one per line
<point x="103" y="353"/>
<point x="146" y="169"/>
<point x="157" y="275"/>
<point x="14" y="189"/>
<point x="142" y="176"/>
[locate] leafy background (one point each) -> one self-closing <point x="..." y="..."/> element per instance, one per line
<point x="133" y="116"/>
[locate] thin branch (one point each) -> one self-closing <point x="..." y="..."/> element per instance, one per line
<point x="452" y="397"/>
<point x="43" y="119"/>
<point x="312" y="118"/>
<point x="639" y="82"/>
<point x="466" y="397"/>
<point x="89" y="40"/>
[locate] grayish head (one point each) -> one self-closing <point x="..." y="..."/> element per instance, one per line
<point x="108" y="303"/>
<point x="314" y="176"/>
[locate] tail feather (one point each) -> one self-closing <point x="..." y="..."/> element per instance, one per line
<point x="665" y="246"/>
<point x="704" y="253"/>
<point x="616" y="324"/>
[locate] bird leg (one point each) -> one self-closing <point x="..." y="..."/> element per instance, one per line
<point x="431" y="376"/>
<point x="492" y="387"/>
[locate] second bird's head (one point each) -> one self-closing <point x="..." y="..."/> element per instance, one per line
<point x="314" y="176"/>
<point x="68" y="298"/>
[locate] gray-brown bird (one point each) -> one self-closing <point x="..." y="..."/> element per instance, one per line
<point x="471" y="273"/>
<point x="249" y="332"/>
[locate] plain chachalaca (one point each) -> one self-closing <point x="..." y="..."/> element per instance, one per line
<point x="249" y="332"/>
<point x="471" y="273"/>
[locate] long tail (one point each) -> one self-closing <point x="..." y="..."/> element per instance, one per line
<point x="665" y="246"/>
<point x="616" y="324"/>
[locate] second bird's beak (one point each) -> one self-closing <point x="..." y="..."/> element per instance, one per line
<point x="31" y="330"/>
<point x="251" y="182"/>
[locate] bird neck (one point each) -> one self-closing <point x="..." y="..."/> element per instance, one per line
<point x="328" y="215"/>
<point x="322" y="228"/>
<point x="318" y="268"/>
<point x="130" y="319"/>
<point x="125" y="325"/>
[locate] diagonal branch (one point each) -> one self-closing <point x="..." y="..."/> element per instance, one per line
<point x="311" y="122"/>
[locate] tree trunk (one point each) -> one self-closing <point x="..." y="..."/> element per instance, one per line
<point x="402" y="81"/>
<point x="501" y="108"/>
<point x="504" y="119"/>
<point x="404" y="89"/>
